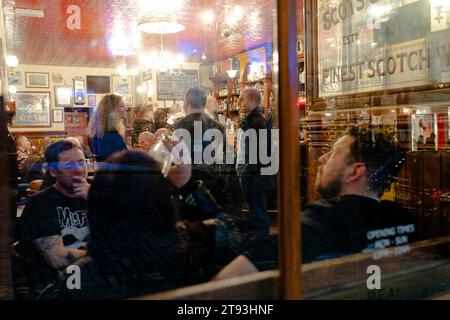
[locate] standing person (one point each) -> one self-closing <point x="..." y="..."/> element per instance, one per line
<point x="54" y="221"/>
<point x="33" y="167"/>
<point x="254" y="185"/>
<point x="107" y="128"/>
<point x="175" y="114"/>
<point x="23" y="149"/>
<point x="144" y="123"/>
<point x="195" y="120"/>
<point x="160" y="117"/>
<point x="211" y="107"/>
<point x="194" y="107"/>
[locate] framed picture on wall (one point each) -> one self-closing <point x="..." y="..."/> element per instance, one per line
<point x="63" y="96"/>
<point x="36" y="80"/>
<point x="147" y="75"/>
<point x="92" y="100"/>
<point x="79" y="96"/>
<point x="58" y="115"/>
<point x="14" y="78"/>
<point x="32" y="109"/>
<point x="123" y="87"/>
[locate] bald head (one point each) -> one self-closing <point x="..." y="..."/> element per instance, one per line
<point x="23" y="143"/>
<point x="161" y="132"/>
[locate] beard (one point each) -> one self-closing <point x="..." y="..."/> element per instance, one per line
<point x="331" y="189"/>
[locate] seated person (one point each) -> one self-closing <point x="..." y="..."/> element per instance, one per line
<point x="135" y="245"/>
<point x="161" y="132"/>
<point x="48" y="179"/>
<point x="146" y="141"/>
<point x="349" y="215"/>
<point x="160" y="119"/>
<point x="33" y="167"/>
<point x="23" y="149"/>
<point x="54" y="221"/>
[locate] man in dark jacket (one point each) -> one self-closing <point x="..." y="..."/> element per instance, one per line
<point x="197" y="123"/>
<point x="194" y="107"/>
<point x="253" y="136"/>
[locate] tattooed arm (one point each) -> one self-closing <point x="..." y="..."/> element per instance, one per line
<point x="53" y="250"/>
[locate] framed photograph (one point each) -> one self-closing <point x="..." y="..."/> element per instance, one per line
<point x="147" y="75"/>
<point x="92" y="100"/>
<point x="123" y="87"/>
<point x="58" y="115"/>
<point x="63" y="96"/>
<point x="79" y="90"/>
<point x="36" y="80"/>
<point x="14" y="78"/>
<point x="98" y="84"/>
<point x="32" y="109"/>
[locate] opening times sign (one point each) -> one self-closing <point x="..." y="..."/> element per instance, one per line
<point x="371" y="45"/>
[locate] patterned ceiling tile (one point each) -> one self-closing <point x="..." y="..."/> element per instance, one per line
<point x="49" y="41"/>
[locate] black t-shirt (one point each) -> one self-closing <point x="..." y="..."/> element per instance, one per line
<point x="352" y="224"/>
<point x="50" y="213"/>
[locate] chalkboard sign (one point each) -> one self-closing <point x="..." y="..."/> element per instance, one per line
<point x="174" y="86"/>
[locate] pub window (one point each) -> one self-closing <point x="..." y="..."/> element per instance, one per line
<point x="382" y="68"/>
<point x="126" y="218"/>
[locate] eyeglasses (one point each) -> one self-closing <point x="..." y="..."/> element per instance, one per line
<point x="72" y="165"/>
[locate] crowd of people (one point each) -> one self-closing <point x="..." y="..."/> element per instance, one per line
<point x="133" y="230"/>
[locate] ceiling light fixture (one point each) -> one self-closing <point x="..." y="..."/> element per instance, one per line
<point x="233" y="65"/>
<point x="163" y="61"/>
<point x="232" y="73"/>
<point x="12" y="61"/>
<point x="227" y="26"/>
<point x="12" y="89"/>
<point x="160" y="27"/>
<point x="123" y="72"/>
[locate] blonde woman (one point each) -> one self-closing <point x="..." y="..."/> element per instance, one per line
<point x="107" y="127"/>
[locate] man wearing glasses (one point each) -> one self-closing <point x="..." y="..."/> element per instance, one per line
<point x="54" y="220"/>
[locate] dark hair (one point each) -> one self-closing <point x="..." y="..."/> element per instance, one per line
<point x="56" y="148"/>
<point x="158" y="115"/>
<point x="381" y="154"/>
<point x="253" y="94"/>
<point x="144" y="111"/>
<point x="130" y="184"/>
<point x="196" y="97"/>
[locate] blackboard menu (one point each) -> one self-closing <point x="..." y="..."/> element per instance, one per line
<point x="174" y="86"/>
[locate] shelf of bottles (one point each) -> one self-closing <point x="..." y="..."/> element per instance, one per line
<point x="234" y="92"/>
<point x="222" y="93"/>
<point x="222" y="106"/>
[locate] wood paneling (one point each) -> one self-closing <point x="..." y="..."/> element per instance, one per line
<point x="8" y="198"/>
<point x="289" y="188"/>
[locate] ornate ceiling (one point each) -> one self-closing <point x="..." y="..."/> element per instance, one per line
<point x="51" y="41"/>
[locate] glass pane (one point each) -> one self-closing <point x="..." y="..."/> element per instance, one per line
<point x="377" y="195"/>
<point x="172" y="105"/>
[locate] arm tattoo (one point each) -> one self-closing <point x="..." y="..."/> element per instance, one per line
<point x="47" y="243"/>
